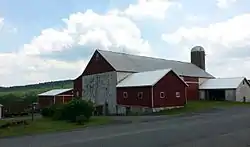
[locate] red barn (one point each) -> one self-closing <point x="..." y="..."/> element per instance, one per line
<point x="55" y="96"/>
<point x="106" y="69"/>
<point x="152" y="89"/>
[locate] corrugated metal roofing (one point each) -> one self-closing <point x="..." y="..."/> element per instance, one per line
<point x="222" y="83"/>
<point x="54" y="92"/>
<point x="133" y="63"/>
<point x="148" y="78"/>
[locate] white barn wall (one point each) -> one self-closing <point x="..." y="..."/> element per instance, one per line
<point x="101" y="88"/>
<point x="230" y="95"/>
<point x="243" y="91"/>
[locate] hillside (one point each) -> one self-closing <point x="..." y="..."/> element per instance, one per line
<point x="36" y="88"/>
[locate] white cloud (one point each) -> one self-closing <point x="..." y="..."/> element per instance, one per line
<point x="19" y="69"/>
<point x="195" y="18"/>
<point x="225" y="3"/>
<point x="227" y="44"/>
<point x="150" y="8"/>
<point x="89" y="30"/>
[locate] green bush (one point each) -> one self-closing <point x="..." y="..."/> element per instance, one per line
<point x="47" y="112"/>
<point x="58" y="112"/>
<point x="76" y="108"/>
<point x="70" y="111"/>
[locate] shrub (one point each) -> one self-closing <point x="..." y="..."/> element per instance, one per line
<point x="76" y="108"/>
<point x="46" y="112"/>
<point x="58" y="112"/>
<point x="70" y="111"/>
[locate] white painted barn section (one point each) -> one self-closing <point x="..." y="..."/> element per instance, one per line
<point x="235" y="88"/>
<point x="101" y="89"/>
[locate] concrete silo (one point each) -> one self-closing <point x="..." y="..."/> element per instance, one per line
<point x="198" y="57"/>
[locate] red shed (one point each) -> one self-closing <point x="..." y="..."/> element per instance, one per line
<point x="55" y="96"/>
<point x="152" y="89"/>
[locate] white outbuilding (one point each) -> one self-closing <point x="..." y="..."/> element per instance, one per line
<point x="229" y="89"/>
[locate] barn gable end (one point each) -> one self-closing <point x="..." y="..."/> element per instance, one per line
<point x="97" y="64"/>
<point x="169" y="86"/>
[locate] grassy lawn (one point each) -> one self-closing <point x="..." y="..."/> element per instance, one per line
<point x="43" y="125"/>
<point x="194" y="106"/>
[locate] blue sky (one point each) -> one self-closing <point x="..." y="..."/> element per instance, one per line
<point x="37" y="44"/>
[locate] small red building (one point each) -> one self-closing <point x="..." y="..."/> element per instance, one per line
<point x="152" y="89"/>
<point x="55" y="96"/>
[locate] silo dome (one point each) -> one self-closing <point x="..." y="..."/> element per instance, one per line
<point x="198" y="49"/>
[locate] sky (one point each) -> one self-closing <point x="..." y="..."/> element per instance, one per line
<point x="46" y="40"/>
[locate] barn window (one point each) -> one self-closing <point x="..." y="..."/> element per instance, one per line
<point x="125" y="95"/>
<point x="140" y="95"/>
<point x="178" y="94"/>
<point x="77" y="94"/>
<point x="162" y="94"/>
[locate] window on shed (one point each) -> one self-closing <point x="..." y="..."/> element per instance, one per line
<point x="125" y="95"/>
<point x="178" y="94"/>
<point x="140" y="95"/>
<point x="77" y="93"/>
<point x="162" y="94"/>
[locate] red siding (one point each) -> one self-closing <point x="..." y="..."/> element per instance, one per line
<point x="46" y="101"/>
<point x="78" y="87"/>
<point x="63" y="99"/>
<point x="99" y="65"/>
<point x="170" y="84"/>
<point x="132" y="99"/>
<point x="191" y="79"/>
<point x="193" y="89"/>
<point x="94" y="66"/>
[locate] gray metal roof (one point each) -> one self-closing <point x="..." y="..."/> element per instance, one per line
<point x="148" y="78"/>
<point x="133" y="63"/>
<point x="222" y="83"/>
<point x="54" y="92"/>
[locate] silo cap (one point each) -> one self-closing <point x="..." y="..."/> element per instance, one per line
<point x="198" y="49"/>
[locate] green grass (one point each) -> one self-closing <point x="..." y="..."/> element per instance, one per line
<point x="195" y="106"/>
<point x="44" y="125"/>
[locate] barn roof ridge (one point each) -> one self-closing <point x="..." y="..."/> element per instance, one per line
<point x="125" y="62"/>
<point x="143" y="56"/>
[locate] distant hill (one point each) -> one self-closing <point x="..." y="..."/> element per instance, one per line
<point x="36" y="88"/>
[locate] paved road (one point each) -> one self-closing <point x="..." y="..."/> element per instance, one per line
<point x="230" y="128"/>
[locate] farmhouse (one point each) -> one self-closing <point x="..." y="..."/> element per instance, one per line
<point x="55" y="96"/>
<point x="230" y="89"/>
<point x="106" y="69"/>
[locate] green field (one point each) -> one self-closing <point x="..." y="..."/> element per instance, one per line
<point x="45" y="125"/>
<point x="35" y="88"/>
